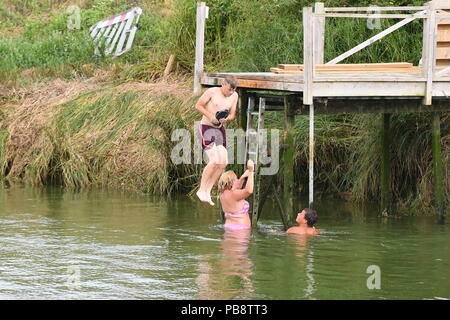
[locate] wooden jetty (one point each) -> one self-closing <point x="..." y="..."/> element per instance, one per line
<point x="316" y="87"/>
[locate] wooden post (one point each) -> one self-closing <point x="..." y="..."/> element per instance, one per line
<point x="311" y="156"/>
<point x="386" y="193"/>
<point x="202" y="14"/>
<point x="242" y="108"/>
<point x="438" y="168"/>
<point x="257" y="180"/>
<point x="308" y="56"/>
<point x="288" y="160"/>
<point x="319" y="33"/>
<point x="169" y="65"/>
<point x="429" y="50"/>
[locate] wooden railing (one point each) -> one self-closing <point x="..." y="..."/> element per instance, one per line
<point x="314" y="31"/>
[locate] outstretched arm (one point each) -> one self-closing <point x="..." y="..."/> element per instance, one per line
<point x="248" y="190"/>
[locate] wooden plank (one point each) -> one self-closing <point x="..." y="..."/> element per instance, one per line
<point x="349" y="9"/>
<point x="443" y="20"/>
<point x="418" y="15"/>
<point x="371" y="40"/>
<point x="442" y="62"/>
<point x="267" y="76"/>
<point x="387" y="70"/>
<point x="293" y="78"/>
<point x="348" y="66"/>
<point x="258" y="84"/>
<point x="350" y="86"/>
<point x="438" y="170"/>
<point x="443" y="53"/>
<point x="364" y="66"/>
<point x="373" y="106"/>
<point x="442" y="27"/>
<point x="369" y="89"/>
<point x="290" y="66"/>
<point x="394" y="78"/>
<point x="443" y="34"/>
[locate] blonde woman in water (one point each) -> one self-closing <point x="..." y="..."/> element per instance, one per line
<point x="232" y="198"/>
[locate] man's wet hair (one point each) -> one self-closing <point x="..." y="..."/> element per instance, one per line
<point x="310" y="217"/>
<point x="231" y="81"/>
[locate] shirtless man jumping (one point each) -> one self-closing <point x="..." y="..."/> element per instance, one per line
<point x="212" y="132"/>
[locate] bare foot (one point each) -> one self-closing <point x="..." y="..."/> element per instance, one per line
<point x="209" y="200"/>
<point x="201" y="196"/>
<point x="204" y="197"/>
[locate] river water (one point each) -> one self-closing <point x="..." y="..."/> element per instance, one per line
<point x="98" y="244"/>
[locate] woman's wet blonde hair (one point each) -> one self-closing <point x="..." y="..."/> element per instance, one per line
<point x="226" y="181"/>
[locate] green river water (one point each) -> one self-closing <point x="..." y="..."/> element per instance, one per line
<point x="97" y="244"/>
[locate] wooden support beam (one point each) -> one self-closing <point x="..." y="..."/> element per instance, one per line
<point x="202" y="14"/>
<point x="308" y="56"/>
<point x="311" y="157"/>
<point x="386" y="192"/>
<point x="319" y="33"/>
<point x="284" y="217"/>
<point x="242" y="108"/>
<point x="429" y="50"/>
<point x="265" y="194"/>
<point x="288" y="159"/>
<point x="359" y="105"/>
<point x="439" y="188"/>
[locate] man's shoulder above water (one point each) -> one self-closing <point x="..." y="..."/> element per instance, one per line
<point x="305" y="231"/>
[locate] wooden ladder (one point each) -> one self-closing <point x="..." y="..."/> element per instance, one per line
<point x="253" y="140"/>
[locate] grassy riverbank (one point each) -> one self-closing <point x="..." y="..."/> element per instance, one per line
<point x="74" y="120"/>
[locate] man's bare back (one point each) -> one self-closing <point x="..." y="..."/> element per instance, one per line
<point x="311" y="231"/>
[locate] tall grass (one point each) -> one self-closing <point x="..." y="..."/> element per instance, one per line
<point x="110" y="138"/>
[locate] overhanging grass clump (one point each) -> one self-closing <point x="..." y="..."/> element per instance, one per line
<point x="116" y="136"/>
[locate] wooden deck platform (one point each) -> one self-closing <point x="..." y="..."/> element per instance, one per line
<point x="320" y="88"/>
<point x="395" y="85"/>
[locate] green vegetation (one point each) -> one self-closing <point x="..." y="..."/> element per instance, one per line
<point x="118" y="134"/>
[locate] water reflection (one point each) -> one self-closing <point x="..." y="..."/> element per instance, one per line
<point x="231" y="279"/>
<point x="305" y="252"/>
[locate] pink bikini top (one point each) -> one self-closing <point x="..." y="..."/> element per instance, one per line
<point x="244" y="210"/>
